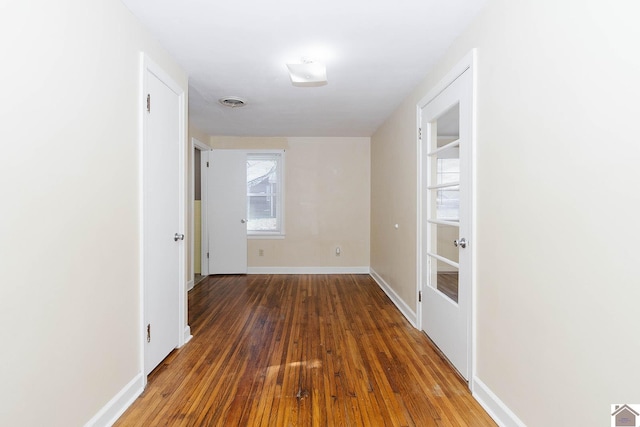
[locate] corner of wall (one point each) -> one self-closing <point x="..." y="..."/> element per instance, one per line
<point x="395" y="298"/>
<point x="110" y="412"/>
<point x="495" y="407"/>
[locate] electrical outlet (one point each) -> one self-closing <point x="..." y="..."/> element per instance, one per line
<point x="338" y="251"/>
<point x="260" y="252"/>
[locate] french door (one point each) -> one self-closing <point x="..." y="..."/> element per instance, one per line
<point x="446" y="126"/>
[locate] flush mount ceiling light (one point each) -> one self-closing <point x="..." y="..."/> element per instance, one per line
<point x="232" y="101"/>
<point x="308" y="73"/>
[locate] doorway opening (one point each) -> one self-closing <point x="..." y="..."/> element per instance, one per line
<point x="199" y="233"/>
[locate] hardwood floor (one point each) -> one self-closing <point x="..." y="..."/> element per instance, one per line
<point x="197" y="278"/>
<point x="302" y="350"/>
<point x="448" y="284"/>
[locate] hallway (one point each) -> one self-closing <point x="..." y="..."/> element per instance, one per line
<point x="324" y="350"/>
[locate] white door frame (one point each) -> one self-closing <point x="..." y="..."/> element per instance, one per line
<point x="196" y="144"/>
<point x="148" y="65"/>
<point x="468" y="63"/>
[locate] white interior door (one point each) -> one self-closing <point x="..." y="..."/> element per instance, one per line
<point x="163" y="231"/>
<point x="227" y="212"/>
<point x="446" y="125"/>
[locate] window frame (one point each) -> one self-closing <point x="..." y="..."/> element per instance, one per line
<point x="279" y="155"/>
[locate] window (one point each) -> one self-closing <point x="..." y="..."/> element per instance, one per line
<point x="264" y="193"/>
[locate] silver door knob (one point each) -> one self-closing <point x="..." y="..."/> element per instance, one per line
<point x="178" y="236"/>
<point x="460" y="243"/>
<point x="243" y="221"/>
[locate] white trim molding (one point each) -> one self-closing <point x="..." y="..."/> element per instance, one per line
<point x="186" y="336"/>
<point x="308" y="270"/>
<point x="110" y="412"/>
<point x="395" y="298"/>
<point x="496" y="408"/>
<point x="196" y="144"/>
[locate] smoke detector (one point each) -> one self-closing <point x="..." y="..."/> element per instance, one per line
<point x="232" y="101"/>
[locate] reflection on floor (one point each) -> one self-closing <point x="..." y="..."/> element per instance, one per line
<point x="302" y="350"/>
<point x="448" y="284"/>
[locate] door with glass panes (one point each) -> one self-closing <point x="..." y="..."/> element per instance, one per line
<point x="446" y="221"/>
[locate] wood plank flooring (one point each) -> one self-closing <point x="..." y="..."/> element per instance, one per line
<point x="302" y="350"/>
<point x="448" y="284"/>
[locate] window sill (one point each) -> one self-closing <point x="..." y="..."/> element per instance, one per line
<point x="265" y="236"/>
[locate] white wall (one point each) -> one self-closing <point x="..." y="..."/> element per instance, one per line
<point x="558" y="155"/>
<point x="69" y="260"/>
<point x="327" y="204"/>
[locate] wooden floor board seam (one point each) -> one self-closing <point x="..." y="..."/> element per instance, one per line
<point x="302" y="350"/>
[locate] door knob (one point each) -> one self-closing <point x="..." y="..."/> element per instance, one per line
<point x="178" y="236"/>
<point x="243" y="221"/>
<point x="460" y="243"/>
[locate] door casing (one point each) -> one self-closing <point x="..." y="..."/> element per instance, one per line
<point x="204" y="265"/>
<point x="467" y="64"/>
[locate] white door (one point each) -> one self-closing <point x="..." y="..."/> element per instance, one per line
<point x="163" y="234"/>
<point x="446" y="126"/>
<point x="227" y="212"/>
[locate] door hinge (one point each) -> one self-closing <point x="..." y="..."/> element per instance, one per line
<point x="419" y="296"/>
<point x="207" y="255"/>
<point x="149" y="332"/>
<point x="207" y="164"/>
<point x="148" y="103"/>
<point x="420" y="134"/>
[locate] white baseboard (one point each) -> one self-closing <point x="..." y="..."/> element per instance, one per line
<point x="308" y="270"/>
<point x="110" y="413"/>
<point x="496" y="408"/>
<point x="402" y="306"/>
<point x="186" y="337"/>
<point x="190" y="284"/>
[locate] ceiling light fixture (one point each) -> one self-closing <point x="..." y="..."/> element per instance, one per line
<point x="308" y="73"/>
<point x="232" y="101"/>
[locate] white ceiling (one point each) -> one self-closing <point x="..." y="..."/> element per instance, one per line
<point x="376" y="52"/>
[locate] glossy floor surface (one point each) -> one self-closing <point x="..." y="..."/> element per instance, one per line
<point x="302" y="350"/>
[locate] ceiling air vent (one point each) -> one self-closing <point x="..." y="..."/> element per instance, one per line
<point x="232" y="101"/>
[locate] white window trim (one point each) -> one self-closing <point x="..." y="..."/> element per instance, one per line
<point x="258" y="235"/>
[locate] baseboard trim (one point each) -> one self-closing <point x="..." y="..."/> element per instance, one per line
<point x="496" y="408"/>
<point x="399" y="302"/>
<point x="110" y="413"/>
<point x="190" y="285"/>
<point x="186" y="337"/>
<point x="308" y="270"/>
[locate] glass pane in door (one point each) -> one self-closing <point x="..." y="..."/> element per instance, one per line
<point x="446" y="176"/>
<point x="446" y="278"/>
<point x="448" y="203"/>
<point x="442" y="237"/>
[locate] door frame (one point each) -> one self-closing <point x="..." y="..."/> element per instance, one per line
<point x="466" y="64"/>
<point x="196" y="144"/>
<point x="184" y="331"/>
